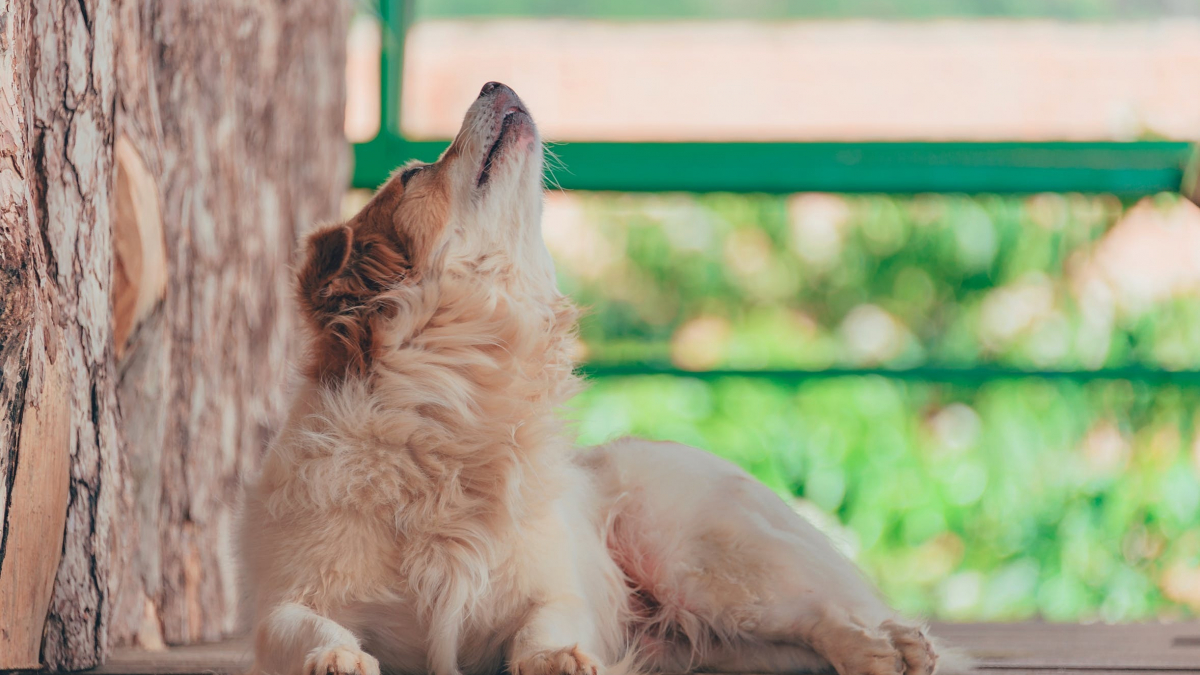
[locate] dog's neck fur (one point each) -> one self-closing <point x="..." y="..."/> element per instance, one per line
<point x="462" y="391"/>
<point x="481" y="363"/>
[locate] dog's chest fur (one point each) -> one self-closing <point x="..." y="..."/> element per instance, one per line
<point x="491" y="590"/>
<point x="418" y="536"/>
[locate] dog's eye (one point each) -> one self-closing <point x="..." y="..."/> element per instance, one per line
<point x="410" y="172"/>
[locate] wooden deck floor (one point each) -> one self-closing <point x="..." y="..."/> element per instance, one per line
<point x="1000" y="649"/>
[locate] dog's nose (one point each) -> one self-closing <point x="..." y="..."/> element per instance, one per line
<point x="490" y="87"/>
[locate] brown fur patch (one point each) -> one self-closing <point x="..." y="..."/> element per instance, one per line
<point x="350" y="267"/>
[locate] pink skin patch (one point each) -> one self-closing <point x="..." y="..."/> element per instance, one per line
<point x="513" y="127"/>
<point x="525" y="136"/>
<point x="521" y="126"/>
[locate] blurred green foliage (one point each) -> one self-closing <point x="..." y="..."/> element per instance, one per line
<point x="1014" y="499"/>
<point x="817" y="280"/>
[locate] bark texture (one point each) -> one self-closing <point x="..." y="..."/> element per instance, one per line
<point x="237" y="116"/>
<point x="57" y="335"/>
<point x="33" y="396"/>
<point x="158" y="162"/>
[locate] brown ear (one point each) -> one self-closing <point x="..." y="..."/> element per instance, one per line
<point x="344" y="271"/>
<point x="328" y="253"/>
<point x="340" y="336"/>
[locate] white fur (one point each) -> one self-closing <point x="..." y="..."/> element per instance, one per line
<point x="432" y="516"/>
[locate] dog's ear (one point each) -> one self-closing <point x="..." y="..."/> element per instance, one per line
<point x="350" y="268"/>
<point x="346" y="267"/>
<point x="344" y="272"/>
<point x="328" y="253"/>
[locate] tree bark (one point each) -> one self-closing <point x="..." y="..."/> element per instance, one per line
<point x="158" y="163"/>
<point x="60" y="383"/>
<point x="238" y="116"/>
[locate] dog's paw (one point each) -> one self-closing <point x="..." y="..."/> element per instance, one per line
<point x="567" y="661"/>
<point x="912" y="643"/>
<point x="861" y="652"/>
<point x="893" y="648"/>
<point x="340" y="661"/>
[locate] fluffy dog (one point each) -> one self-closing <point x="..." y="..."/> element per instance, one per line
<point x="424" y="511"/>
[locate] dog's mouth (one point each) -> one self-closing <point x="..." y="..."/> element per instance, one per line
<point x="513" y="118"/>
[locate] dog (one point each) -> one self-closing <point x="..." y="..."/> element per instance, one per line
<point x="423" y="509"/>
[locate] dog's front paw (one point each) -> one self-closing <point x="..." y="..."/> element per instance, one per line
<point x="340" y="661"/>
<point x="891" y="649"/>
<point x="914" y="646"/>
<point x="860" y="652"/>
<point x="567" y="661"/>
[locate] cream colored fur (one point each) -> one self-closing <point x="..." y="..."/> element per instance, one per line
<point x="430" y="515"/>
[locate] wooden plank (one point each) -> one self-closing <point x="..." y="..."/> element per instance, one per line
<point x="1047" y="646"/>
<point x="1080" y="670"/>
<point x="231" y="657"/>
<point x="1000" y="649"/>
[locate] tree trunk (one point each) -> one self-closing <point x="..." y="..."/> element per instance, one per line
<point x="59" y="388"/>
<point x="158" y="162"/>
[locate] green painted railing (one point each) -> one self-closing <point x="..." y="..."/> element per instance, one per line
<point x="1126" y="169"/>
<point x="1130" y="170"/>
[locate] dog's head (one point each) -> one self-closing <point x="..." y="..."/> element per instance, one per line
<point x="472" y="216"/>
